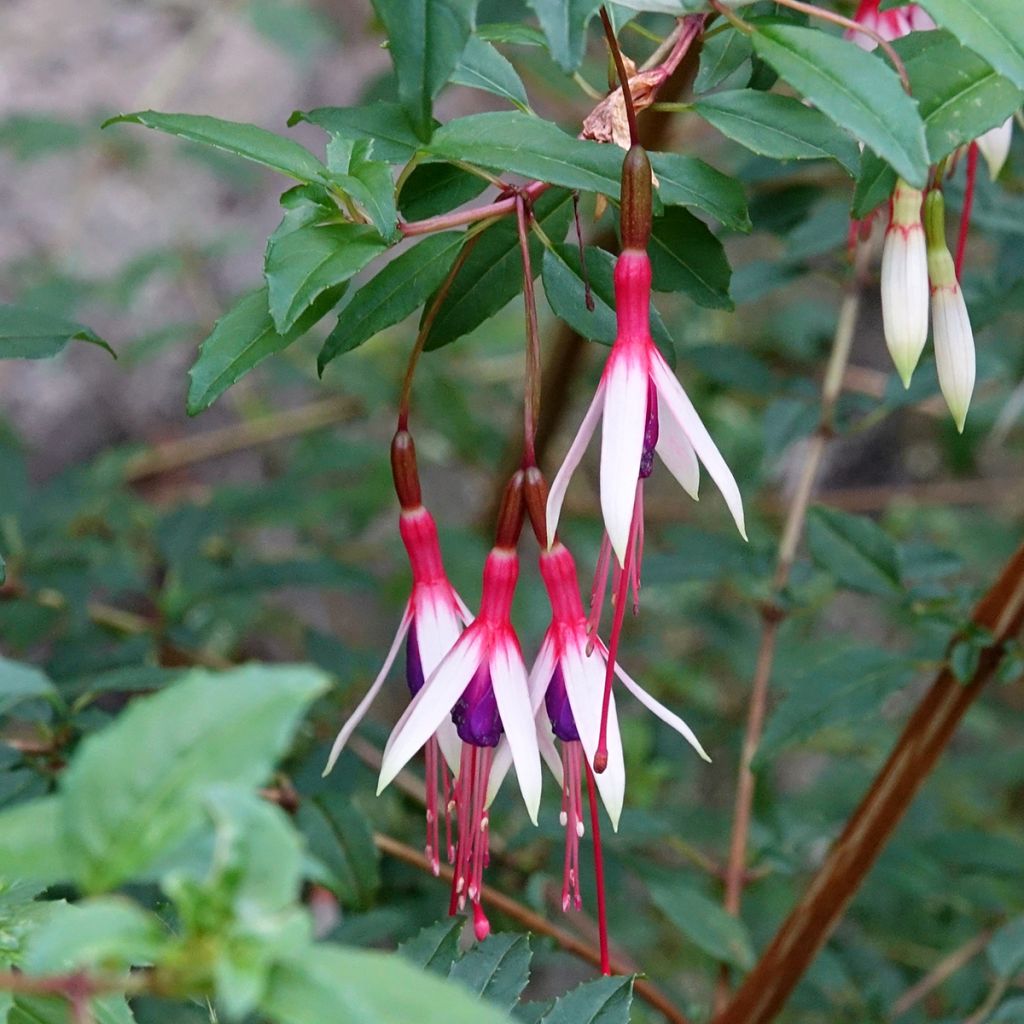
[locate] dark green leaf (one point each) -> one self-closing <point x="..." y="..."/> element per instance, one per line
<point x="777" y="126"/>
<point x="1006" y="948"/>
<point x="246" y="140"/>
<point x="704" y="922"/>
<point x="992" y="28"/>
<point x="875" y="184"/>
<point x="687" y="181"/>
<point x="435" y="947"/>
<point x="565" y="25"/>
<point x="135" y="790"/>
<point x="27" y="333"/>
<point x="511" y="32"/>
<point x="686" y="257"/>
<point x="338" y="837"/>
<point x="604" y="1001"/>
<point x="855" y="550"/>
<point x="437" y="188"/>
<point x="302" y="264"/>
<point x="19" y="683"/>
<point x="496" y="969"/>
<point x="403" y="285"/>
<point x="384" y="125"/>
<point x="240" y="340"/>
<point x="720" y="57"/>
<point x="564" y="287"/>
<point x="856" y="89"/>
<point x="492" y="274"/>
<point x="426" y="39"/>
<point x="482" y="67"/>
<point x="370" y="184"/>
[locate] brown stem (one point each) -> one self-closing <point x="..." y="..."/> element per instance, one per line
<point x="620" y="69"/>
<point x="644" y="989"/>
<point x="771" y="616"/>
<point x="925" y="737"/>
<point x="532" y="381"/>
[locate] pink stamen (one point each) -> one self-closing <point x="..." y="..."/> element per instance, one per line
<point x="602" y="910"/>
<point x="481" y="926"/>
<point x="572" y="815"/>
<point x="449" y="807"/>
<point x="471" y="851"/>
<point x="965" y="214"/>
<point x="432" y="848"/>
<point x="597" y="590"/>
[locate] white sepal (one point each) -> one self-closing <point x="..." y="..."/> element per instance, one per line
<point x="954" y="350"/>
<point x="905" y="296"/>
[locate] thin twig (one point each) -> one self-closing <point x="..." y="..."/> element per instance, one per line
<point x="941" y="972"/>
<point x="620" y="68"/>
<point x="644" y="989"/>
<point x="771" y="615"/>
<point x="532" y="382"/>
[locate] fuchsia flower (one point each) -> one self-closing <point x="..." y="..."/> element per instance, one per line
<point x="568" y="679"/>
<point x="891" y="24"/>
<point x="482" y="685"/>
<point x="642" y="407"/>
<point x="433" y="619"/>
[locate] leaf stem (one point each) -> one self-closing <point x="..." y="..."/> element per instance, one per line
<point x="531" y="383"/>
<point x="620" y="68"/>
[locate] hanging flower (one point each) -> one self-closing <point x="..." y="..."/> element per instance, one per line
<point x="891" y="24"/>
<point x="642" y="406"/>
<point x="431" y="623"/>
<point x="905" y="281"/>
<point x="481" y="685"/>
<point x="995" y="146"/>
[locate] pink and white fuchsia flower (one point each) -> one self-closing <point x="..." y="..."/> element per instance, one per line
<point x="434" y="617"/>
<point x="891" y="24"/>
<point x="641" y="405"/>
<point x="482" y="685"/>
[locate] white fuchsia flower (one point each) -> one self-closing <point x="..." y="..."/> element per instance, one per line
<point x="951" y="325"/>
<point x="433" y="619"/>
<point x="905" y="281"/>
<point x="994" y="146"/>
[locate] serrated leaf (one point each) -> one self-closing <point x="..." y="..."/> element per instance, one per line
<point x="437" y="188"/>
<point x="19" y="683"/>
<point x="564" y="287"/>
<point x="603" y="1001"/>
<point x="435" y="947"/>
<point x="492" y="274"/>
<point x="396" y="291"/>
<point x="704" y="923"/>
<point x="27" y="333"/>
<point x="687" y="181"/>
<point x="241" y="339"/>
<point x="992" y="28"/>
<point x="135" y="790"/>
<point x="482" y="67"/>
<point x="384" y="125"/>
<point x="370" y="184"/>
<point x="337" y="835"/>
<point x="564" y="23"/>
<point x="856" y="89"/>
<point x="496" y="969"/>
<point x="302" y="264"/>
<point x="426" y="39"/>
<point x="777" y="126"/>
<point x="686" y="257"/>
<point x="245" y="140"/>
<point x="855" y="550"/>
<point x="720" y="57"/>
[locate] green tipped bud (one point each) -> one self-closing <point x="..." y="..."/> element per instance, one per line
<point x="636" y="199"/>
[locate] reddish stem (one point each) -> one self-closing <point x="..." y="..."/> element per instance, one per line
<point x="965" y="213"/>
<point x="602" y="909"/>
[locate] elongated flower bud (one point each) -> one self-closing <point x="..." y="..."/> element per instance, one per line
<point x="995" y="146"/>
<point x="905" y="282"/>
<point x="954" y="339"/>
<point x="636" y="199"/>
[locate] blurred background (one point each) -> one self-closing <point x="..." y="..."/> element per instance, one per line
<point x="139" y="542"/>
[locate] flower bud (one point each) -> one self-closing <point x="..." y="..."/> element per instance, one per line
<point x="404" y="471"/>
<point x="905" y="282"/>
<point x="954" y="339"/>
<point x="636" y="199"/>
<point x="995" y="146"/>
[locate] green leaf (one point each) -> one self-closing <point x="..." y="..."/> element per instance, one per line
<point x="509" y="141"/>
<point x="135" y="790"/>
<point x="992" y="28"/>
<point x="384" y="125"/>
<point x="27" y="333"/>
<point x="875" y="184"/>
<point x="563" y="284"/>
<point x="496" y="969"/>
<point x="842" y="689"/>
<point x="403" y="285"/>
<point x="110" y="933"/>
<point x="435" y="947"/>
<point x="1006" y="948"/>
<point x="511" y="32"/>
<point x="855" y="550"/>
<point x="426" y="39"/>
<point x="603" y="1001"/>
<point x="241" y="339"/>
<point x="687" y="181"/>
<point x="856" y="89"/>
<point x="246" y="140"/>
<point x="55" y="1010"/>
<point x="331" y="983"/>
<point x="30" y="841"/>
<point x="337" y="835"/>
<point x="437" y="188"/>
<point x="492" y="274"/>
<point x="704" y="923"/>
<point x="686" y="257"/>
<point x="370" y="184"/>
<point x="720" y="57"/>
<point x="482" y="67"/>
<point x="302" y="264"/>
<point x="19" y="683"/>
<point x="565" y="25"/>
<point x="777" y="126"/>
